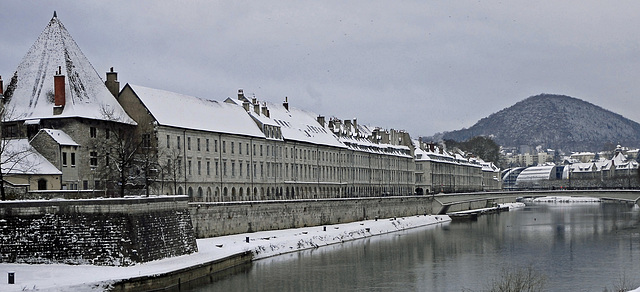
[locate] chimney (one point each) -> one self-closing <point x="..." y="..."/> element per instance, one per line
<point x="286" y="103"/>
<point x="1" y="87"/>
<point x="321" y="120"/>
<point x="256" y="106"/>
<point x="241" y="94"/>
<point x="59" y="92"/>
<point x="265" y="110"/>
<point x="355" y="126"/>
<point x="347" y="126"/>
<point x="112" y="83"/>
<point x="245" y="105"/>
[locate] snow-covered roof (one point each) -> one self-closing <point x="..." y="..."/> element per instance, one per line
<point x="31" y="90"/>
<point x="302" y="126"/>
<point x="189" y="112"/>
<point x="19" y="157"/>
<point x="60" y="137"/>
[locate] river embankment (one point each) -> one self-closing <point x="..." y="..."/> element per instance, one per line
<point x="260" y="245"/>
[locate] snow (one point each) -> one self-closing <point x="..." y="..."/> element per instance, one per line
<point x="60" y="137"/>
<point x="58" y="277"/>
<point x="300" y="125"/>
<point x="20" y="158"/>
<point x="562" y="199"/>
<point x="189" y="112"/>
<point x="86" y="94"/>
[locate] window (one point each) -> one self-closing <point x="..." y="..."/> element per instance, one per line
<point x="233" y="169"/>
<point x="208" y="168"/>
<point x="260" y="150"/>
<point x="178" y="142"/>
<point x="224" y="168"/>
<point x="106" y="159"/>
<point x="168" y="142"/>
<point x="217" y="168"/>
<point x="199" y="167"/>
<point x="146" y="140"/>
<point x="224" y="146"/>
<point x="93" y="132"/>
<point x="248" y="169"/>
<point x="188" y="143"/>
<point x="215" y="145"/>
<point x="93" y="158"/>
<point x="240" y="170"/>
<point x="207" y="145"/>
<point x="198" y="144"/>
<point x="73" y="159"/>
<point x="189" y="166"/>
<point x="85" y="184"/>
<point x="239" y="148"/>
<point x="64" y="158"/>
<point x="179" y="165"/>
<point x="232" y="148"/>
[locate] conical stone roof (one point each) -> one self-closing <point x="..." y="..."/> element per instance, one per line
<point x="30" y="94"/>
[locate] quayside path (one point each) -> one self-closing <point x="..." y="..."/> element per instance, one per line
<point x="447" y="203"/>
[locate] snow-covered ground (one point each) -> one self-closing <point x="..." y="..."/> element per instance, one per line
<point x="562" y="199"/>
<point x="59" y="277"/>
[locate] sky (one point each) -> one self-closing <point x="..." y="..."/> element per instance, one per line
<point x="420" y="66"/>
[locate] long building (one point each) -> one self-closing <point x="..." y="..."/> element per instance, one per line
<point x="139" y="140"/>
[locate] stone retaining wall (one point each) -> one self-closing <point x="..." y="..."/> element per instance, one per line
<point x="218" y="219"/>
<point x="116" y="232"/>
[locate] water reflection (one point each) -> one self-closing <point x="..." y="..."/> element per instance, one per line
<point x="583" y="247"/>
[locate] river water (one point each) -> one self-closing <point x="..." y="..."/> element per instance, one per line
<point x="576" y="247"/>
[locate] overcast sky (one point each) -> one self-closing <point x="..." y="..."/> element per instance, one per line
<point x="421" y="66"/>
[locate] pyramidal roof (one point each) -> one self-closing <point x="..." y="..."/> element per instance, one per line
<point x="31" y="90"/>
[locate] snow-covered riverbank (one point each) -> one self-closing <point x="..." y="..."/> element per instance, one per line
<point x="58" y="277"/>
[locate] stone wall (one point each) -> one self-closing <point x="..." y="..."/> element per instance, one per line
<point x="218" y="219"/>
<point x="117" y="232"/>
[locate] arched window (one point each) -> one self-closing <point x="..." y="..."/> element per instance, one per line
<point x="200" y="193"/>
<point x="180" y="192"/>
<point x="190" y="193"/>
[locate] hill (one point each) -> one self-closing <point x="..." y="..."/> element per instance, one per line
<point x="554" y="122"/>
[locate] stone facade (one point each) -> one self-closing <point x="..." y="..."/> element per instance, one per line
<point x="117" y="232"/>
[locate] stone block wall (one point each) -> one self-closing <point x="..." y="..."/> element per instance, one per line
<point x="218" y="219"/>
<point x="117" y="232"/>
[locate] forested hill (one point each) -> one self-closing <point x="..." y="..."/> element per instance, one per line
<point x="554" y="122"/>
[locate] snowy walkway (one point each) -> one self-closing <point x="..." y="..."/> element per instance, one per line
<point x="58" y="277"/>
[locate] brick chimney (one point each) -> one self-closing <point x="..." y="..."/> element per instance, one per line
<point x="59" y="99"/>
<point x="112" y="83"/>
<point x="321" y="120"/>
<point x="286" y="103"/>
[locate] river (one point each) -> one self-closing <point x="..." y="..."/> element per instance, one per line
<point x="576" y="247"/>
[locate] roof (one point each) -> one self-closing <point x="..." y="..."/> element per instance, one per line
<point x="30" y="91"/>
<point x="295" y="124"/>
<point x="536" y="173"/>
<point x="19" y="157"/>
<point x="189" y="112"/>
<point x="60" y="137"/>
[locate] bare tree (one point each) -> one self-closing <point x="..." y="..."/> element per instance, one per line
<point x="171" y="169"/>
<point x="13" y="156"/>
